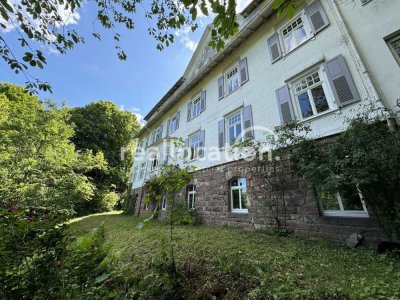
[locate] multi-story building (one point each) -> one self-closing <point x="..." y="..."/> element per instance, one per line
<point x="275" y="70"/>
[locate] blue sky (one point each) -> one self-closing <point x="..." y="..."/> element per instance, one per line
<point x="93" y="72"/>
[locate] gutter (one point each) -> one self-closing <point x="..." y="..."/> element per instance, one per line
<point x="261" y="17"/>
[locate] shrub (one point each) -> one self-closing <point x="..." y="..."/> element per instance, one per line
<point x="39" y="259"/>
<point x="182" y="215"/>
<point x="129" y="204"/>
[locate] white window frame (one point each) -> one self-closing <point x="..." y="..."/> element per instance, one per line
<point x="390" y="42"/>
<point x="227" y="125"/>
<point x="191" y="191"/>
<point x="173" y="126"/>
<point x="195" y="147"/>
<point x="196" y="107"/>
<point x="323" y="81"/>
<point x="152" y="137"/>
<point x="158" y="135"/>
<point x="238" y="187"/>
<point x="154" y="158"/>
<point x="142" y="170"/>
<point x="346" y="213"/>
<point x="305" y="25"/>
<point x="235" y="76"/>
<point x="164" y="203"/>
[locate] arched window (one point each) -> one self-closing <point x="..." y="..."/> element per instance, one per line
<point x="191" y="196"/>
<point x="238" y="190"/>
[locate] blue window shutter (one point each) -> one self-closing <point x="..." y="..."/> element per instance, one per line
<point x="189" y="111"/>
<point x="221" y="89"/>
<point x="202" y="143"/>
<point x="284" y="104"/>
<point x="274" y="47"/>
<point x="248" y="122"/>
<point x="341" y="82"/>
<point x="168" y="126"/>
<point x="178" y="115"/>
<point x="185" y="151"/>
<point x="221" y="133"/>
<point x="203" y="100"/>
<point x="161" y="131"/>
<point x="243" y="71"/>
<point x="316" y="16"/>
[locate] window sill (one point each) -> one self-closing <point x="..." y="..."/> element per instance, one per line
<point x="331" y="111"/>
<point x="240" y="211"/>
<point x="194" y="117"/>
<point x="345" y="214"/>
<point x="230" y="93"/>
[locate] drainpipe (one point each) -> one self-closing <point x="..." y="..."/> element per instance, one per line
<point x="366" y="78"/>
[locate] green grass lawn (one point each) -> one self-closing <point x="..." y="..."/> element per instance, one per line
<point x="235" y="263"/>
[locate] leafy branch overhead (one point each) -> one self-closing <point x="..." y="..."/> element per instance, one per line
<point x="49" y="23"/>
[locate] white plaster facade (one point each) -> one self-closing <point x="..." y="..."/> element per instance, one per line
<point x="265" y="77"/>
<point x="372" y="25"/>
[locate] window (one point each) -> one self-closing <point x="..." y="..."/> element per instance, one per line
<point x="239" y="201"/>
<point x="348" y="203"/>
<point x="234" y="128"/>
<point x="191" y="196"/>
<point x="173" y="123"/>
<point x="159" y="133"/>
<point x="394" y="45"/>
<point x="310" y="95"/>
<point x="195" y="141"/>
<point x="142" y="170"/>
<point x="164" y="203"/>
<point x="232" y="80"/>
<point x="307" y="24"/>
<point x="154" y="162"/>
<point x="196" y="107"/>
<point x="294" y="34"/>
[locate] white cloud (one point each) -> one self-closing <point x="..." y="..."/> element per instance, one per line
<point x="67" y="16"/>
<point x="183" y="35"/>
<point x="137" y="112"/>
<point x="241" y="4"/>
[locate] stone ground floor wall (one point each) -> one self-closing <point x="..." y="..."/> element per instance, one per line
<point x="303" y="217"/>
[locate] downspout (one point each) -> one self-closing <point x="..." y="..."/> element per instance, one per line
<point x="366" y="78"/>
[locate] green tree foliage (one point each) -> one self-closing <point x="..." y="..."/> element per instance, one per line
<point x="38" y="163"/>
<point x="43" y="23"/>
<point x="103" y="128"/>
